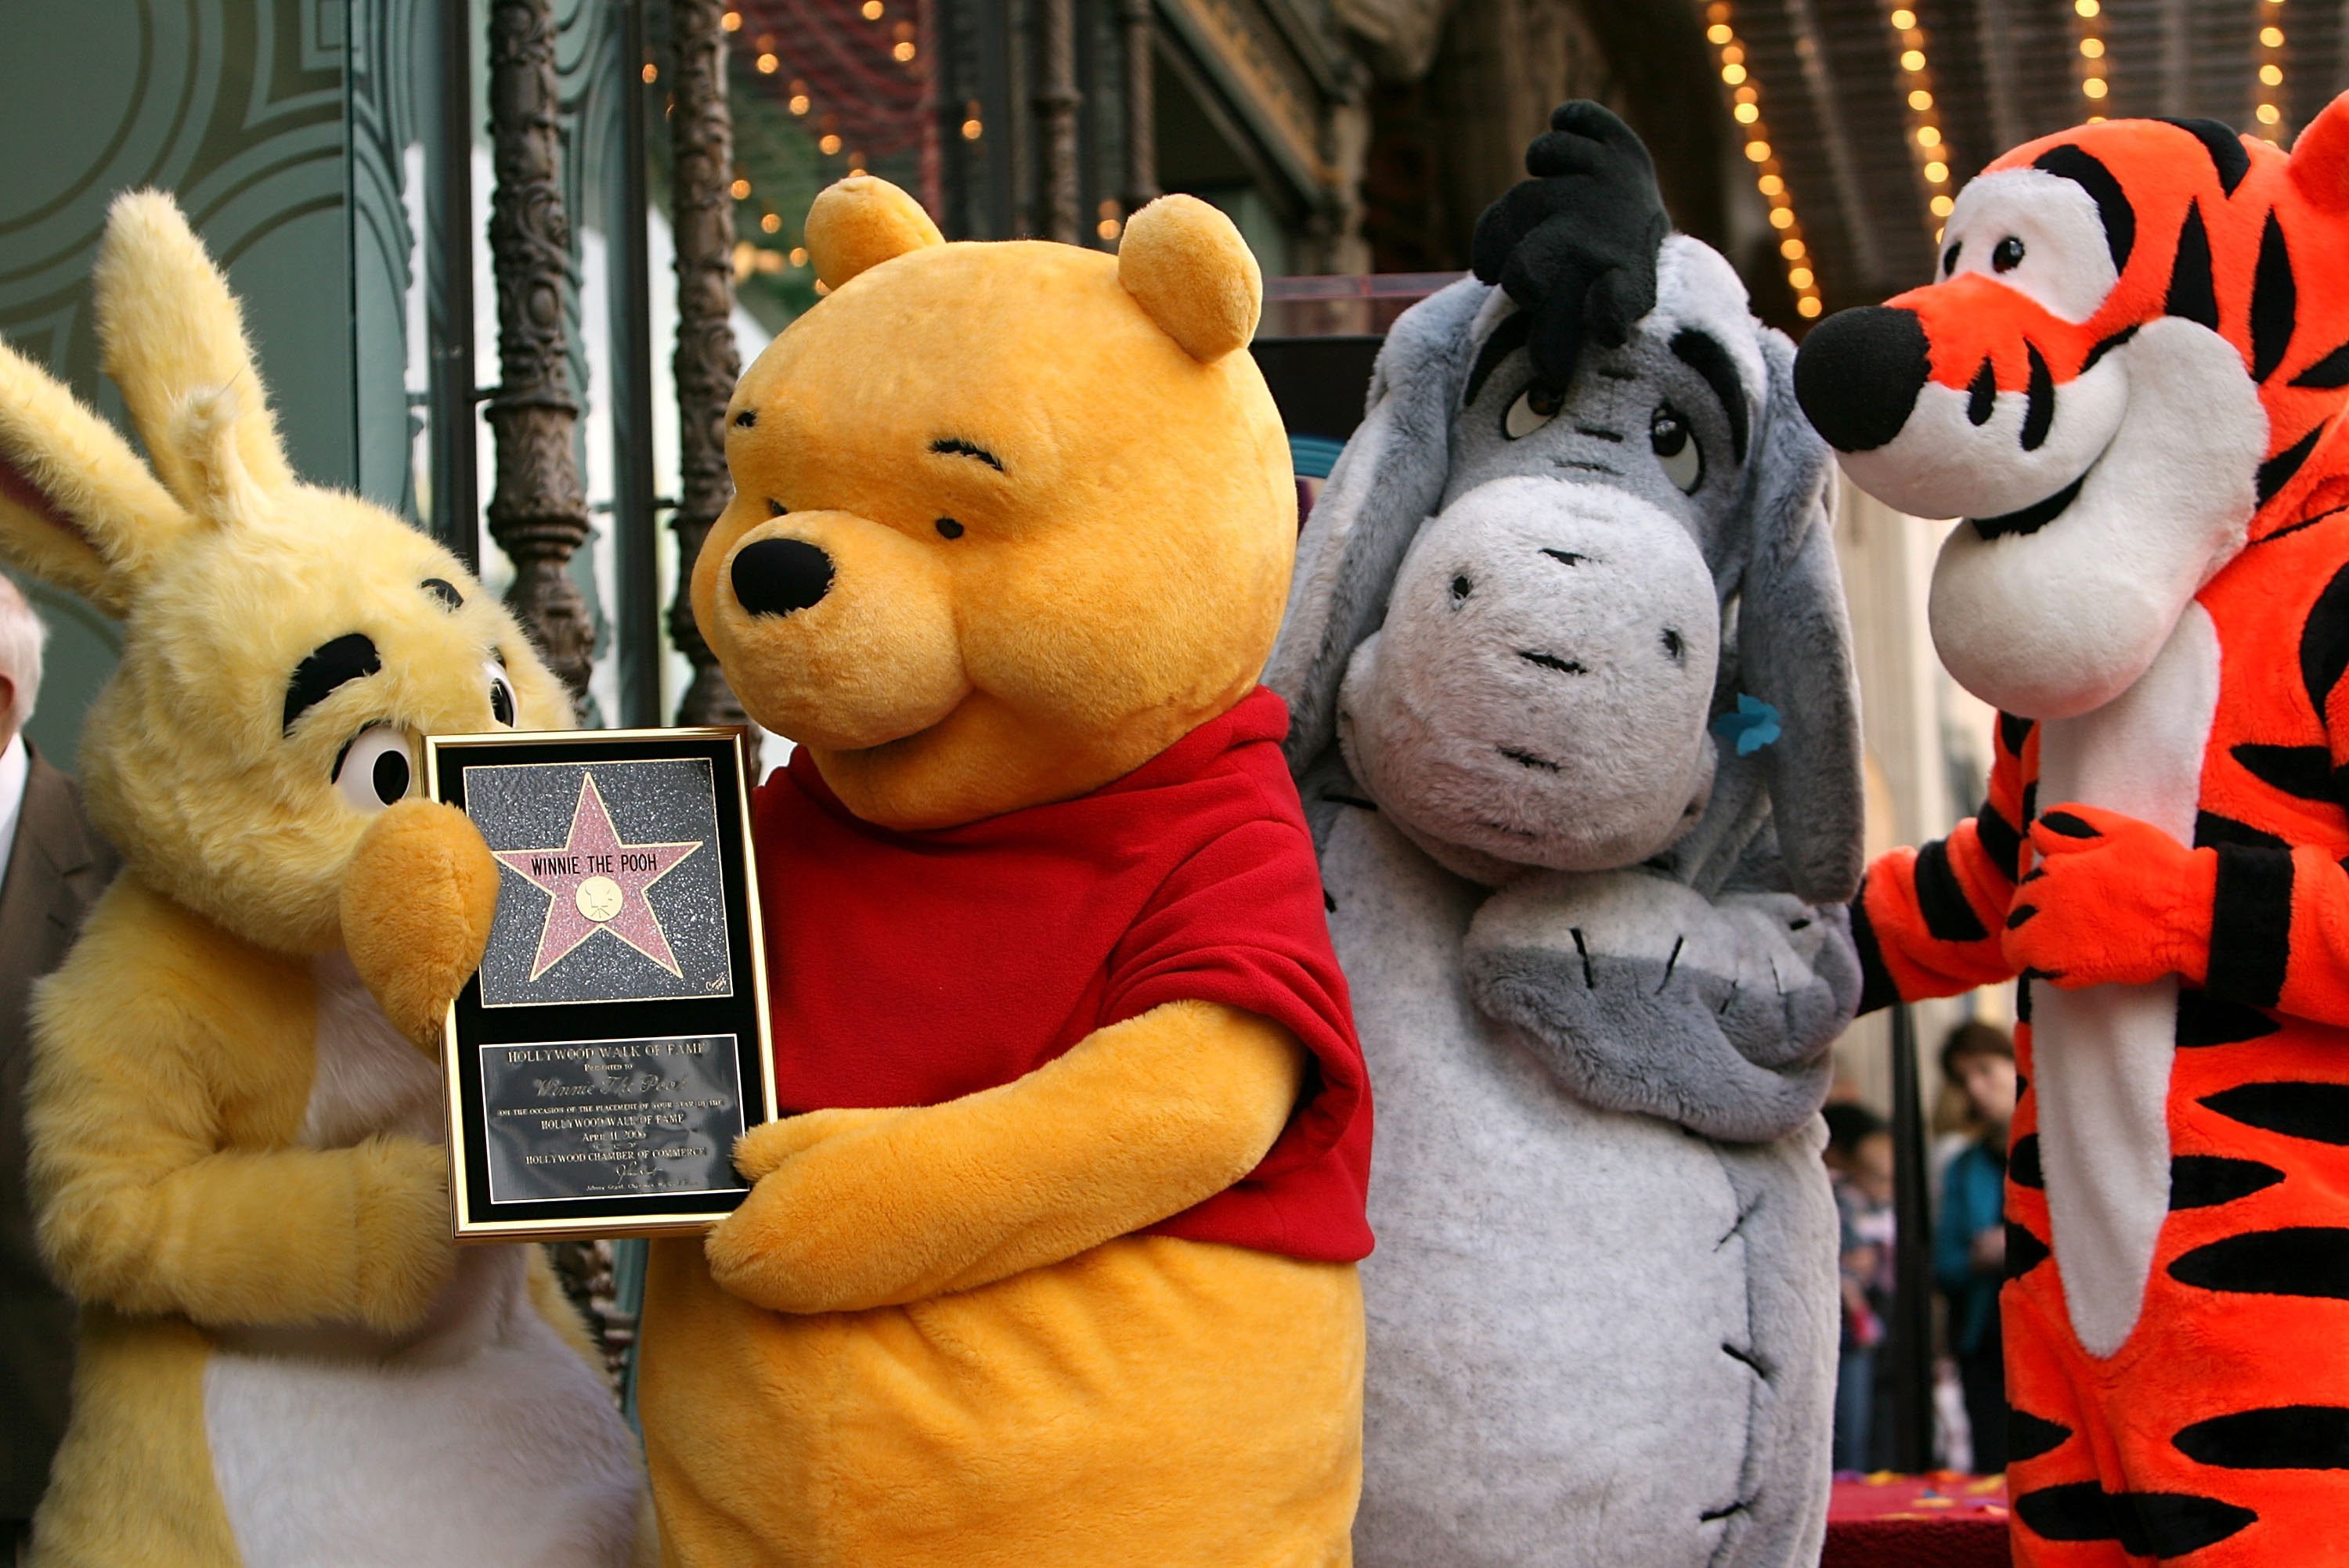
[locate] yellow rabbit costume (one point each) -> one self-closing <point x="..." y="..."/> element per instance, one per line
<point x="233" y="1110"/>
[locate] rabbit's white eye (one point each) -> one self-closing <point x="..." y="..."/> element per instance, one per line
<point x="1536" y="405"/>
<point x="377" y="768"/>
<point x="1676" y="449"/>
<point x="502" y="703"/>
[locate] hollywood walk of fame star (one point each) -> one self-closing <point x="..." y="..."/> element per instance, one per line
<point x="597" y="883"/>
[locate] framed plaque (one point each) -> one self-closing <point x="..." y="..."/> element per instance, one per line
<point x="613" y="1045"/>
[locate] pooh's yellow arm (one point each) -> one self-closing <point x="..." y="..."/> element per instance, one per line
<point x="857" y="1209"/>
<point x="171" y="1066"/>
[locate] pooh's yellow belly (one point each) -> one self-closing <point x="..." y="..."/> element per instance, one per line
<point x="1151" y="1401"/>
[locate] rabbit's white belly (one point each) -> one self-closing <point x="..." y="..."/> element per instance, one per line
<point x="1558" y="1309"/>
<point x="477" y="1438"/>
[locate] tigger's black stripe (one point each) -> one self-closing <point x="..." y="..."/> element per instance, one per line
<point x="2274" y="302"/>
<point x="2015" y="729"/>
<point x="2022" y="1163"/>
<point x="2029" y="1436"/>
<point x="1941" y="899"/>
<point x="2318" y="1113"/>
<point x="2000" y="841"/>
<point x="2105" y="345"/>
<point x="2207" y="1180"/>
<point x="2225" y="148"/>
<point x="2085" y="170"/>
<point x="2022" y="1008"/>
<point x="2024" y="1252"/>
<point x="2297" y="1260"/>
<point x="2324" y="642"/>
<point x="2277" y="471"/>
<point x="2163" y="1524"/>
<point x="2327" y="373"/>
<point x="2212" y="829"/>
<point x="2283" y="1437"/>
<point x="1875" y="987"/>
<point x="2039" y="407"/>
<point x="2304" y="772"/>
<point x="2250" y="925"/>
<point x="2192" y="296"/>
<point x="1981" y="394"/>
<point x="2205" y="1020"/>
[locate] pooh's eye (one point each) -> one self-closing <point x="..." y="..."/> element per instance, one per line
<point x="2006" y="255"/>
<point x="1675" y="447"/>
<point x="1536" y="405"/>
<point x="375" y="769"/>
<point x="503" y="705"/>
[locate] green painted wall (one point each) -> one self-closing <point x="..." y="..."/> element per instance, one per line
<point x="243" y="108"/>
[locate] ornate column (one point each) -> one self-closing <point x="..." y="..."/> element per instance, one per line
<point x="538" y="512"/>
<point x="702" y="143"/>
<point x="1056" y="118"/>
<point x="1134" y="17"/>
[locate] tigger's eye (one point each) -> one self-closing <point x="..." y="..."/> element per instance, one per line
<point x="1949" y="259"/>
<point x="2006" y="255"/>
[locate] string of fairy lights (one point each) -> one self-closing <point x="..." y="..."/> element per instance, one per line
<point x="2268" y="108"/>
<point x="1769" y="176"/>
<point x="1926" y="143"/>
<point x="2095" y="68"/>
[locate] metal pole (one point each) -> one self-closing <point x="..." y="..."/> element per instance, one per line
<point x="1056" y="115"/>
<point x="538" y="513"/>
<point x="451" y="392"/>
<point x="1909" y="1351"/>
<point x="702" y="170"/>
<point x="636" y="546"/>
<point x="1141" y="105"/>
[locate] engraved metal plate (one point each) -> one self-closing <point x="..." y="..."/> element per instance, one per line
<point x="614" y="1044"/>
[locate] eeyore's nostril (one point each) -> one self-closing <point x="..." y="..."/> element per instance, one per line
<point x="1551" y="662"/>
<point x="1674" y="648"/>
<point x="1859" y="375"/>
<point x="778" y="576"/>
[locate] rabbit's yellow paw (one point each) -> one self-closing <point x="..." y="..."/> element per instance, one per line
<point x="417" y="902"/>
<point x="404" y="1254"/>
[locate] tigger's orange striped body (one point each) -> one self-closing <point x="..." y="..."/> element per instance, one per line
<point x="2160" y="573"/>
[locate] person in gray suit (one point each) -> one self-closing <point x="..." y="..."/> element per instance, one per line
<point x="54" y="868"/>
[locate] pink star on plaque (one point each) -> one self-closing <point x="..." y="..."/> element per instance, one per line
<point x="595" y="882"/>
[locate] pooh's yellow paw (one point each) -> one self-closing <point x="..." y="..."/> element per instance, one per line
<point x="417" y="902"/>
<point x="404" y="1254"/>
<point x="759" y="1151"/>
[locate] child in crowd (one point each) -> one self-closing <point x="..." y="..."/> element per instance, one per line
<point x="1860" y="1164"/>
<point x="1970" y="1239"/>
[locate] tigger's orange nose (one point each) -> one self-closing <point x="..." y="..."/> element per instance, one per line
<point x="1859" y="375"/>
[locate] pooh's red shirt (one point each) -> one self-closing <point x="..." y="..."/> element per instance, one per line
<point x="913" y="969"/>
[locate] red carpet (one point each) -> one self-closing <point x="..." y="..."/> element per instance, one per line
<point x="1938" y="1521"/>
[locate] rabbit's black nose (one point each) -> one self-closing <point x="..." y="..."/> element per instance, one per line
<point x="777" y="576"/>
<point x="1859" y="373"/>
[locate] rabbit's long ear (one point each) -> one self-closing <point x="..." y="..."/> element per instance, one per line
<point x="1794" y="651"/>
<point x="174" y="341"/>
<point x="1386" y="482"/>
<point x="76" y="506"/>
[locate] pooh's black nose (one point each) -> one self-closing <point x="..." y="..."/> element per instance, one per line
<point x="1859" y="373"/>
<point x="777" y="576"/>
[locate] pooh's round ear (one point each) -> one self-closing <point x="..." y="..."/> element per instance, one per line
<point x="859" y="223"/>
<point x="1185" y="265"/>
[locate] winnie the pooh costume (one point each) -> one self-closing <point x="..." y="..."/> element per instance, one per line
<point x="1057" y="1267"/>
<point x="234" y="1111"/>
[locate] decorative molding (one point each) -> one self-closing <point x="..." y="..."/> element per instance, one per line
<point x="538" y="512"/>
<point x="701" y="162"/>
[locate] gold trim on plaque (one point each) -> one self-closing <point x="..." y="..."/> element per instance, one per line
<point x="558" y="1230"/>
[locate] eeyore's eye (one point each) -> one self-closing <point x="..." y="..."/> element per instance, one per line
<point x="375" y="769"/>
<point x="1536" y="405"/>
<point x="1675" y="447"/>
<point x="502" y="706"/>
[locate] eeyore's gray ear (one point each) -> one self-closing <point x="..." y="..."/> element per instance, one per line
<point x="1794" y="642"/>
<point x="1386" y="482"/>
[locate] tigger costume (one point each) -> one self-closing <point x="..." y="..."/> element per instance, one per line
<point x="2127" y="380"/>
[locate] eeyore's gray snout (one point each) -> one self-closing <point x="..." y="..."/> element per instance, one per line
<point x="1539" y="690"/>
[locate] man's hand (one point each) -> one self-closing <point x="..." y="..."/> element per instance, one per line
<point x="2113" y="901"/>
